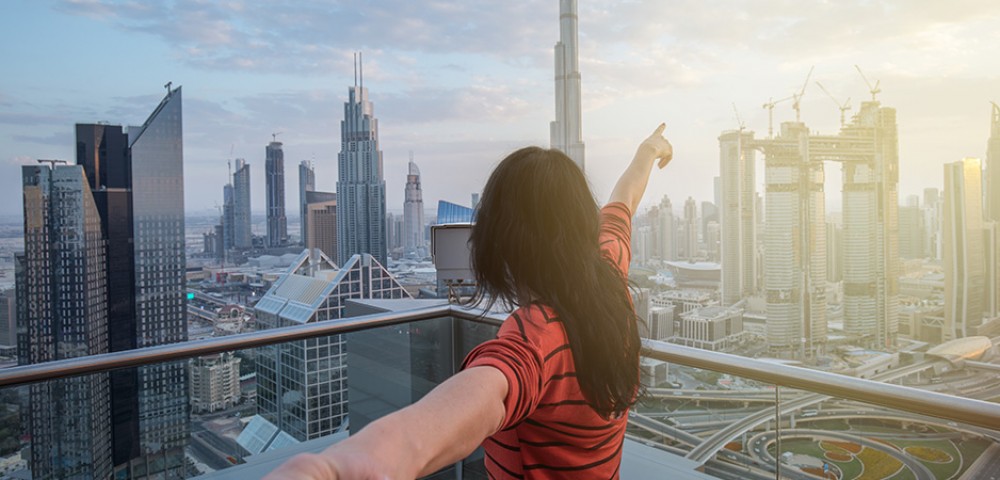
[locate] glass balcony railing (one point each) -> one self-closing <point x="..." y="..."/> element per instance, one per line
<point x="704" y="414"/>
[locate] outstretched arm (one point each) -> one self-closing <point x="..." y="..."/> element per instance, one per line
<point x="442" y="428"/>
<point x="632" y="184"/>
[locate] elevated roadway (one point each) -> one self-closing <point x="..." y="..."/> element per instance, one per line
<point x="711" y="445"/>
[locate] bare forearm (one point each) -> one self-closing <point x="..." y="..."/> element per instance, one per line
<point x="442" y="428"/>
<point x="631" y="185"/>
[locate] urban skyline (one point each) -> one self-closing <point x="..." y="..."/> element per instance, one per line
<point x="511" y="100"/>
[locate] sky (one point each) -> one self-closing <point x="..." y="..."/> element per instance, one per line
<point x="462" y="83"/>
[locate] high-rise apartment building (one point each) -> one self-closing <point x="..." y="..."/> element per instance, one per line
<point x="360" y="181"/>
<point x="566" y="131"/>
<point x="242" y="233"/>
<point x="66" y="317"/>
<point x="690" y="227"/>
<point x="413" y="212"/>
<point x="321" y="212"/>
<point x="737" y="215"/>
<point x="307" y="183"/>
<point x="667" y="230"/>
<point x="228" y="218"/>
<point x="932" y="223"/>
<point x="8" y="317"/>
<point x="963" y="249"/>
<point x="912" y="232"/>
<point x="274" y="170"/>
<point x="302" y="385"/>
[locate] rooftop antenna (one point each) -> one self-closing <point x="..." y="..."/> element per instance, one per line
<point x="52" y="163"/>
<point x="361" y="69"/>
<point x="770" y="114"/>
<point x="798" y="98"/>
<point x="842" y="106"/>
<point x="355" y="69"/>
<point x="874" y="90"/>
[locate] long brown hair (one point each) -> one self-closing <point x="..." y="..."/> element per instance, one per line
<point x="536" y="239"/>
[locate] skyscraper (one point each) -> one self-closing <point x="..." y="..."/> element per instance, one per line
<point x="228" y="218"/>
<point x="321" y="212"/>
<point x="157" y="172"/>
<point x="566" y="131"/>
<point x="274" y="169"/>
<point x="795" y="244"/>
<point x="868" y="148"/>
<point x="413" y="212"/>
<point x="963" y="249"/>
<point x="667" y="230"/>
<point x="242" y="237"/>
<point x="66" y="317"/>
<point x="993" y="166"/>
<point x="690" y="229"/>
<point x="738" y="215"/>
<point x="307" y="183"/>
<point x="911" y="232"/>
<point x="360" y="180"/>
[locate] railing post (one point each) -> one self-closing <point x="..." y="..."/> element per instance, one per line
<point x="777" y="432"/>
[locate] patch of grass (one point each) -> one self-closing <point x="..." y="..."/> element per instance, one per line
<point x="928" y="454"/>
<point x="878" y="465"/>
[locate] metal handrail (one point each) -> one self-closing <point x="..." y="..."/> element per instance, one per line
<point x="922" y="402"/>
<point x="897" y="397"/>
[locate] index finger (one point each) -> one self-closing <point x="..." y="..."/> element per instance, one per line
<point x="659" y="130"/>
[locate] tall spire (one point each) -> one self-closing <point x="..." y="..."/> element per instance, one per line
<point x="566" y="130"/>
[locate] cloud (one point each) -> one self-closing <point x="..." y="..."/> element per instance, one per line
<point x="18" y="160"/>
<point x="311" y="37"/>
<point x="58" y="139"/>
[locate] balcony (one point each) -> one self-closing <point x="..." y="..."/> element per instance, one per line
<point x="705" y="415"/>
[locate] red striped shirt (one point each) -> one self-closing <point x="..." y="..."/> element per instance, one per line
<point x="549" y="430"/>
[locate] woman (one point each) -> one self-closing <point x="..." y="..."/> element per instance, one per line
<point x="549" y="397"/>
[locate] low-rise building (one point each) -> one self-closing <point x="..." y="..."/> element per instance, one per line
<point x="215" y="382"/>
<point x="711" y="328"/>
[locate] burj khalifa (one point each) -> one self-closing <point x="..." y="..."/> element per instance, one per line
<point x="566" y="129"/>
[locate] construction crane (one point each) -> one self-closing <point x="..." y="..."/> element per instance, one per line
<point x="739" y="119"/>
<point x="274" y="136"/>
<point x="845" y="106"/>
<point x="873" y="89"/>
<point x="770" y="113"/>
<point x="798" y="97"/>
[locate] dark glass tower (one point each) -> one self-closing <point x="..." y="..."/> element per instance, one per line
<point x="102" y="151"/>
<point x="274" y="168"/>
<point x="157" y="167"/>
<point x="138" y="189"/>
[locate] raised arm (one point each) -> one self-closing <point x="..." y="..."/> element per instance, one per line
<point x="632" y="184"/>
<point x="443" y="427"/>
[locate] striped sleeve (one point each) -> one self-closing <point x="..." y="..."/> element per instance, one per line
<point x="521" y="363"/>
<point x="616" y="235"/>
